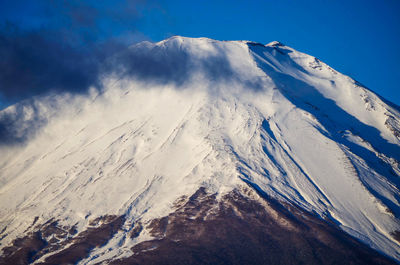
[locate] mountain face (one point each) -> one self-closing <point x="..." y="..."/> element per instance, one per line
<point x="203" y="152"/>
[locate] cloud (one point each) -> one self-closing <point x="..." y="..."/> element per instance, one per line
<point x="36" y="61"/>
<point x="171" y="64"/>
<point x="58" y="46"/>
<point x="74" y="47"/>
<point x="66" y="50"/>
<point x="148" y="63"/>
<point x="20" y="122"/>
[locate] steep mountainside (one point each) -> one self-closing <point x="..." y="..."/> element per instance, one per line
<point x="206" y="152"/>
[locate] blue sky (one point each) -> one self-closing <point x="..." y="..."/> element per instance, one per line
<point x="358" y="38"/>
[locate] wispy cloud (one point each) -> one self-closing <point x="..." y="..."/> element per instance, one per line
<point x="73" y="47"/>
<point x="57" y="46"/>
<point x="65" y="49"/>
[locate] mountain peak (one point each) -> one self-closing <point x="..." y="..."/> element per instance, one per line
<point x="275" y="44"/>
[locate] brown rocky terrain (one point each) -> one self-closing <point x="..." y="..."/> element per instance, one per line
<point x="242" y="227"/>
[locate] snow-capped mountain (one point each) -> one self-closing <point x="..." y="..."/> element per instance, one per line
<point x="207" y="152"/>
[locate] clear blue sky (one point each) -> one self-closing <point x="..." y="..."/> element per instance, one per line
<point x="358" y="38"/>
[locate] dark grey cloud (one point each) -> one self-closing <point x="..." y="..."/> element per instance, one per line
<point x="62" y="47"/>
<point x="34" y="62"/>
<point x="15" y="128"/>
<point x="153" y="64"/>
<point x="169" y="64"/>
<point x="148" y="63"/>
<point x="75" y="43"/>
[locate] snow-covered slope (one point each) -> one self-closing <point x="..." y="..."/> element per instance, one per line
<point x="187" y="113"/>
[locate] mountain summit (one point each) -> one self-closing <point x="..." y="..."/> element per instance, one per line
<point x="200" y="151"/>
